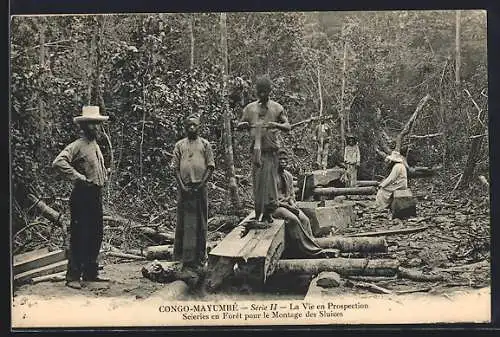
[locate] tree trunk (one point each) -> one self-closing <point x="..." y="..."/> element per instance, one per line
<point x="343" y="266"/>
<point x="191" y="39"/>
<point x="360" y="244"/>
<point x="472" y="158"/>
<point x="345" y="190"/>
<point x="457" y="48"/>
<point x="228" y="139"/>
<point x="41" y="102"/>
<point x="342" y="93"/>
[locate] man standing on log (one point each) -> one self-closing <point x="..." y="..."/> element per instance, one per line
<point x="397" y="180"/>
<point x="265" y="118"/>
<point x="82" y="162"/>
<point x="300" y="242"/>
<point x="194" y="164"/>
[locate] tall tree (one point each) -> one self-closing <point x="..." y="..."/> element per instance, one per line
<point x="228" y="139"/>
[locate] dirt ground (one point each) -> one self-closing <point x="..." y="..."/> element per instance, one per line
<point x="455" y="243"/>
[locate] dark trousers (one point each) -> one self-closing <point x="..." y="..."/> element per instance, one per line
<point x="86" y="232"/>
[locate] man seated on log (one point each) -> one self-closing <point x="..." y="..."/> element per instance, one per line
<point x="82" y="162"/>
<point x="193" y="161"/>
<point x="264" y="118"/>
<point x="397" y="180"/>
<point x="299" y="239"/>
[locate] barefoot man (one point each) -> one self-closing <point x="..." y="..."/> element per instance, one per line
<point x="300" y="241"/>
<point x="264" y="118"/>
<point x="194" y="164"/>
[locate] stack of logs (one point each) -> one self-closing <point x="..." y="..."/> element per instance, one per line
<point x="321" y="184"/>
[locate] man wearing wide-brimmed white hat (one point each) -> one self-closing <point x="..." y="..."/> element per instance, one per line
<point x="82" y="163"/>
<point x="397" y="180"/>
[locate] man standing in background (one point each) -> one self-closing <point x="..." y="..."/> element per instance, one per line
<point x="82" y="162"/>
<point x="321" y="136"/>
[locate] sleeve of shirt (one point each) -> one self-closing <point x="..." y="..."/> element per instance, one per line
<point x="209" y="155"/>
<point x="244" y="115"/>
<point x="282" y="115"/>
<point x="395" y="172"/>
<point x="358" y="155"/>
<point x="63" y="163"/>
<point x="176" y="158"/>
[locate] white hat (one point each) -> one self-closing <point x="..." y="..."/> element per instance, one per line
<point x="90" y="113"/>
<point x="395" y="156"/>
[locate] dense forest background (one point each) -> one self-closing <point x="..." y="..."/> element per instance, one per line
<point x="364" y="71"/>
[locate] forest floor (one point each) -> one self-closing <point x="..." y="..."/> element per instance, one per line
<point x="456" y="243"/>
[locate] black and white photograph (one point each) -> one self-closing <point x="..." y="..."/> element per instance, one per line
<point x="249" y="168"/>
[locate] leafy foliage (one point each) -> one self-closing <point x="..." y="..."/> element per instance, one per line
<point x="137" y="69"/>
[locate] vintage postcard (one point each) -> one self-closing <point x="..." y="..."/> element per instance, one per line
<point x="249" y="168"/>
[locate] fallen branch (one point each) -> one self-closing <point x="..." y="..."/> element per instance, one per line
<point x="60" y="276"/>
<point x="417" y="290"/>
<point x="419" y="276"/>
<point x="409" y="123"/>
<point x="371" y="287"/>
<point x="312" y="119"/>
<point x="426" y="136"/>
<point x="391" y="232"/>
<point x="483" y="263"/>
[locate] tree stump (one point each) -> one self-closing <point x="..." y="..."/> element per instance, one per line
<point x="403" y="204"/>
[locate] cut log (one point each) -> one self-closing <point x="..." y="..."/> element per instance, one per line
<point x="125" y="255"/>
<point x="364" y="183"/>
<point x="359" y="244"/>
<point x="28" y="255"/>
<point x="256" y="253"/>
<point x="308" y="182"/>
<point x="328" y="279"/>
<point x="334" y="191"/>
<point x="403" y="204"/>
<point x="391" y="232"/>
<point x="324" y="219"/>
<point x="45" y="270"/>
<point x="419" y="276"/>
<point x="61" y="276"/>
<point x="38" y="261"/>
<point x="159" y="237"/>
<point x="163" y="252"/>
<point x="174" y="291"/>
<point x="421" y="171"/>
<point x="345" y="267"/>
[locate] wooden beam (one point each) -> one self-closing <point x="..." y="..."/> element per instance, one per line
<point x="37" y="261"/>
<point x="28" y="255"/>
<point x="255" y="254"/>
<point x="45" y="270"/>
